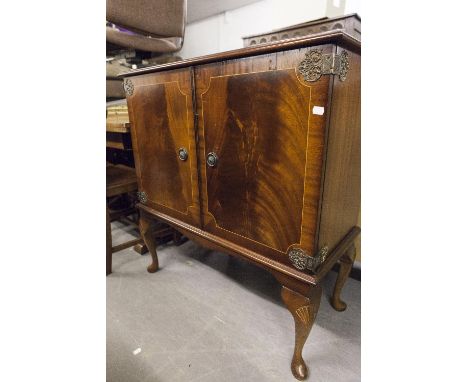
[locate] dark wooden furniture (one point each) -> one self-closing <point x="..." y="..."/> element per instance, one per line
<point x="118" y="137"/>
<point x="256" y="153"/>
<point x="351" y="24"/>
<point x="121" y="180"/>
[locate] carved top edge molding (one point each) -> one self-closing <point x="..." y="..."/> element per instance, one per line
<point x="316" y="64"/>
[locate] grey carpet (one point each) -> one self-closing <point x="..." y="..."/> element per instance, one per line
<point x="205" y="316"/>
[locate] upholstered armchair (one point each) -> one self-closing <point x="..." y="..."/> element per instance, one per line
<point x="148" y="25"/>
<point x="155" y="26"/>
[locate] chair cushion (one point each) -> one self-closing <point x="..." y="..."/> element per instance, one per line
<point x="165" y="18"/>
<point x="139" y="42"/>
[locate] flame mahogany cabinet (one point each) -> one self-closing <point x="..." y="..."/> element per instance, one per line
<point x="256" y="153"/>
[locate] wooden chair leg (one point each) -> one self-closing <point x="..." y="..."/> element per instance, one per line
<point x="147" y="225"/>
<point x="304" y="310"/>
<point x="108" y="244"/>
<point x="346" y="264"/>
<point x="141" y="248"/>
<point x="177" y="236"/>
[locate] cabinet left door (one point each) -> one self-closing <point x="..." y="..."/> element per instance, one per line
<point x="163" y="137"/>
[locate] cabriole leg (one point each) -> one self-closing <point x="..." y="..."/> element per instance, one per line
<point x="304" y="310"/>
<point x="346" y="264"/>
<point x="147" y="233"/>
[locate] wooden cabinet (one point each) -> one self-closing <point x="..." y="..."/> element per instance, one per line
<point x="256" y="152"/>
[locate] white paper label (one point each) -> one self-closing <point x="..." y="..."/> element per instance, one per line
<point x="319" y="110"/>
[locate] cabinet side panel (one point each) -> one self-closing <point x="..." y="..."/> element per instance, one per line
<point x="342" y="183"/>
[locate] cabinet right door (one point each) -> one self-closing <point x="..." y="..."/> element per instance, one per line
<point x="261" y="141"/>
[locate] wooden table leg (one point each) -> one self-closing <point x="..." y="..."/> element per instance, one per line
<point x="346" y="264"/>
<point x="304" y="310"/>
<point x="108" y="244"/>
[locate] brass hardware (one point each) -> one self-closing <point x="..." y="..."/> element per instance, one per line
<point x="301" y="260"/>
<point x="183" y="154"/>
<point x="142" y="197"/>
<point x="128" y="86"/>
<point x="211" y="159"/>
<point x="315" y="64"/>
<point x="344" y="65"/>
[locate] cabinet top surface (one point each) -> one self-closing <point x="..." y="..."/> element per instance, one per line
<point x="338" y="37"/>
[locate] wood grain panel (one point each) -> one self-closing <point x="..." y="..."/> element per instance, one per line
<point x="257" y="124"/>
<point x="256" y="115"/>
<point x="160" y="110"/>
<point x="321" y="97"/>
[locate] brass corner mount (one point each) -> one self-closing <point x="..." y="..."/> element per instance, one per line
<point x="316" y="64"/>
<point x="128" y="86"/>
<point x="142" y="197"/>
<point x="302" y="260"/>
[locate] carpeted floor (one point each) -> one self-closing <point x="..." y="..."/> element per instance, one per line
<point x="205" y="316"/>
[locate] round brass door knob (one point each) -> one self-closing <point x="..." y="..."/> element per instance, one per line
<point x="183" y="154"/>
<point x="211" y="159"/>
